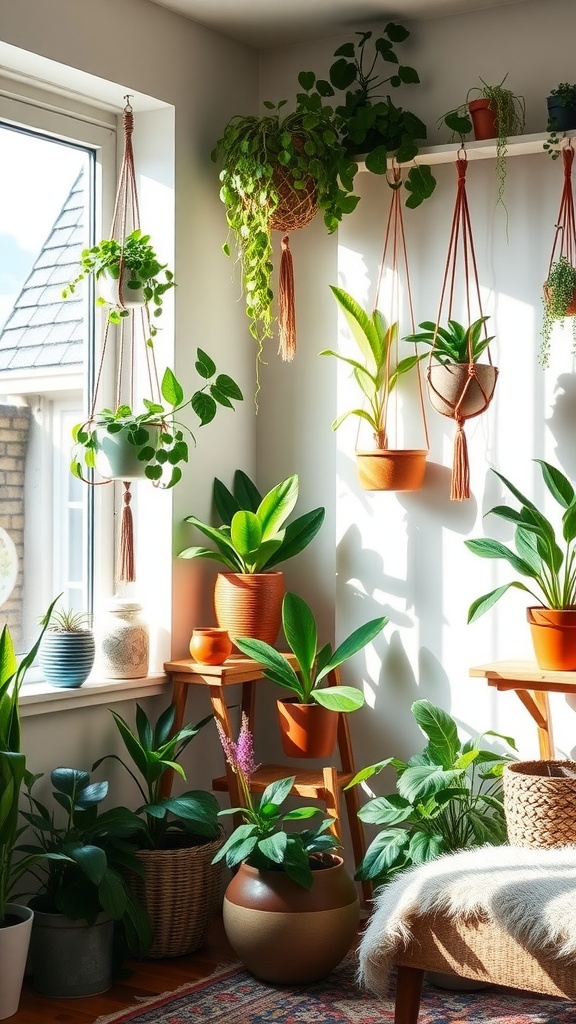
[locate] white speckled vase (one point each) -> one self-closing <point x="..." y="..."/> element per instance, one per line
<point x="122" y="641"/>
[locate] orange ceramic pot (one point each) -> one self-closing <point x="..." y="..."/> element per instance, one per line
<point x="307" y="730"/>
<point x="250" y="604"/>
<point x="210" y="646"/>
<point x="286" y="934"/>
<point x="483" y="119"/>
<point x="391" y="470"/>
<point x="554" y="637"/>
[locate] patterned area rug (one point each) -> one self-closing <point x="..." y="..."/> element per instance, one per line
<point x="236" y="997"/>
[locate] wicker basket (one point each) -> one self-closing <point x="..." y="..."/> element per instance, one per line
<point x="540" y="803"/>
<point x="182" y="891"/>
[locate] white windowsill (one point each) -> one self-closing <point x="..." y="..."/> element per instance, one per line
<point x="40" y="698"/>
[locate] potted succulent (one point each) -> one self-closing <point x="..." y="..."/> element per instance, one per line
<point x="126" y="445"/>
<point x="561" y="104"/>
<point x="82" y="856"/>
<point x="176" y="837"/>
<point x="309" y="721"/>
<point x="254" y="538"/>
<point x="449" y="797"/>
<point x="548" y="564"/>
<point x="453" y="349"/>
<point x="67" y="649"/>
<point x="559" y="302"/>
<point x="15" y="919"/>
<point x="376" y="374"/>
<point x="284" y="878"/>
<point x="367" y="120"/>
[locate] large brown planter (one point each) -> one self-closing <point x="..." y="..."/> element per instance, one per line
<point x="391" y="470"/>
<point x="451" y="386"/>
<point x="284" y="933"/>
<point x="554" y="637"/>
<point x="307" y="730"/>
<point x="250" y="604"/>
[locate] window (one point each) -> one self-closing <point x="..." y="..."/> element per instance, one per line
<point x="56" y="173"/>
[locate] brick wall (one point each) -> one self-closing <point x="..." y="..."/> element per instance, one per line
<point x="14" y="434"/>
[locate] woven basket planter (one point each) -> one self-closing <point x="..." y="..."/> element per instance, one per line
<point x="182" y="891"/>
<point x="540" y="803"/>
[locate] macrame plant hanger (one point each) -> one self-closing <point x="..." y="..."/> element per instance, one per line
<point x="135" y="325"/>
<point x="470" y="392"/>
<point x="565" y="235"/>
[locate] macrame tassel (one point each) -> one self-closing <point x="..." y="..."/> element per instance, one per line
<point x="126" y="572"/>
<point x="460" y="484"/>
<point x="286" y="309"/>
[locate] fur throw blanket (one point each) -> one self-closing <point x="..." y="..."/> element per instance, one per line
<point x="529" y="893"/>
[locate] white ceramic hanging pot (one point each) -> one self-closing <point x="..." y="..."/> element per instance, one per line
<point x="115" y="290"/>
<point x="116" y="457"/>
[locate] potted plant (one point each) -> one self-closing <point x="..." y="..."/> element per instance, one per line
<point x="561" y="104"/>
<point x="285" y="880"/>
<point x="453" y="349"/>
<point x="449" y="797"/>
<point x="367" y="120"/>
<point x="543" y="559"/>
<point x="127" y="445"/>
<point x="176" y="836"/>
<point x="308" y="722"/>
<point x="559" y="302"/>
<point x="382" y="468"/>
<point x="67" y="649"/>
<point x="15" y="919"/>
<point x="82" y="856"/>
<point x="494" y="112"/>
<point x="254" y="538"/>
<point x="130" y="274"/>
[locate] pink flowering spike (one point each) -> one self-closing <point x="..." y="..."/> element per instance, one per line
<point x="244" y="750"/>
<point x="227" y="746"/>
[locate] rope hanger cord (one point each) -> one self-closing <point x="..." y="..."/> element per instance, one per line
<point x="565" y="235"/>
<point x="461" y="240"/>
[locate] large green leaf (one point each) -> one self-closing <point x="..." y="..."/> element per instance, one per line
<point x="440" y="728"/>
<point x="245" y="491"/>
<point x="424" y="847"/>
<point x="386" y="810"/>
<point x="301" y="633"/>
<point x="386" y="851"/>
<point x="225" y="502"/>
<point x="423" y="781"/>
<point x="559" y="486"/>
<point x="354" y="643"/>
<point x="339" y="698"/>
<point x="277" y="505"/>
<point x="270" y="659"/>
<point x="246" y="533"/>
<point x="297" y="536"/>
<point x="223" y="543"/>
<point x="482" y="604"/>
<point x="362" y="326"/>
<point x="485" y="547"/>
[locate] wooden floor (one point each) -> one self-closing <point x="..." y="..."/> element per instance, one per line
<point x="147" y="978"/>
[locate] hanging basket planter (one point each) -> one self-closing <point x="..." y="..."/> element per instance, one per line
<point x="390" y="470"/>
<point x="454" y="387"/>
<point x="559" y="289"/>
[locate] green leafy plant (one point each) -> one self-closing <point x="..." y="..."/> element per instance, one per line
<point x="367" y="120"/>
<point x="12" y="760"/>
<point x="263" y="157"/>
<point x="313" y="665"/>
<point x="564" y="96"/>
<point x="453" y="343"/>
<point x="83" y="854"/>
<point x="559" y="290"/>
<point x="66" y="620"/>
<point x="157" y="434"/>
<point x="449" y="797"/>
<point x="254" y="535"/>
<point x="263" y="841"/>
<point x="375" y="375"/>
<point x="538" y="554"/>
<point x="137" y="261"/>
<point x="155" y="749"/>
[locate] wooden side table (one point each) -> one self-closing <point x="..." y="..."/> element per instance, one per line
<point x="325" y="784"/>
<point x="532" y="685"/>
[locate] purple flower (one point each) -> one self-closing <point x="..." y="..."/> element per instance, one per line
<point x="240" y="755"/>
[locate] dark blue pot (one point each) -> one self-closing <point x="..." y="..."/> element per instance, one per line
<point x="66" y="659"/>
<point x="560" y="118"/>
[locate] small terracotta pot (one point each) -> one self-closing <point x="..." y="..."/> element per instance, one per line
<point x="388" y="470"/>
<point x="483" y="119"/>
<point x="307" y="730"/>
<point x="447" y="385"/>
<point x="554" y="637"/>
<point x="210" y="646"/>
<point x="250" y="604"/>
<point x="286" y="934"/>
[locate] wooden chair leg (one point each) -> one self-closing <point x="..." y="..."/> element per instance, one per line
<point x="408" y="993"/>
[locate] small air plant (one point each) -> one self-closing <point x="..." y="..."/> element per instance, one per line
<point x="66" y="620"/>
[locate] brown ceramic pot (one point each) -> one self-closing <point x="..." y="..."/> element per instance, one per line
<point x="285" y="934"/>
<point x="554" y="637"/>
<point x="307" y="730"/>
<point x="447" y="385"/>
<point x="250" y="604"/>
<point x="483" y="119"/>
<point x="210" y="646"/>
<point x="389" y="470"/>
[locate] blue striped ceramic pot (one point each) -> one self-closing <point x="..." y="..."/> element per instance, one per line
<point x="66" y="659"/>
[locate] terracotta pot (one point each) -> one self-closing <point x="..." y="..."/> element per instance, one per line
<point x="554" y="637"/>
<point x="447" y="384"/>
<point x="210" y="646"/>
<point x="285" y="934"/>
<point x="307" y="730"/>
<point x="570" y="308"/>
<point x="250" y="604"/>
<point x="483" y="119"/>
<point x="387" y="470"/>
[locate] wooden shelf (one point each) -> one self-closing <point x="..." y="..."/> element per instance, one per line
<point x="518" y="145"/>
